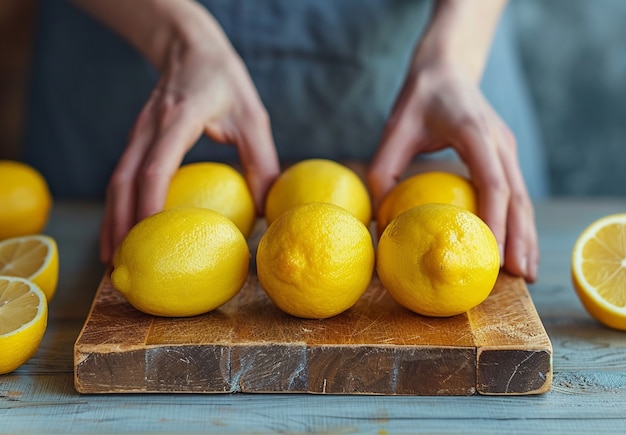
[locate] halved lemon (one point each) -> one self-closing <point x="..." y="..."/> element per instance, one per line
<point x="599" y="270"/>
<point x="34" y="257"/>
<point x="23" y="321"/>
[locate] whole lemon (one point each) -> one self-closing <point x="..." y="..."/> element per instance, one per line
<point x="435" y="186"/>
<point x="181" y="262"/>
<point x="216" y="186"/>
<point x="318" y="180"/>
<point x="315" y="260"/>
<point x="25" y="200"/>
<point x="438" y="260"/>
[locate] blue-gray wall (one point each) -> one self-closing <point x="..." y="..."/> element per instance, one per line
<point x="574" y="54"/>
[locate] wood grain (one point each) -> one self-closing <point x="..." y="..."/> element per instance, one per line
<point x="377" y="347"/>
<point x="514" y="354"/>
<point x="588" y="392"/>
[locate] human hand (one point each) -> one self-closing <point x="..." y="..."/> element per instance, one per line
<point x="205" y="88"/>
<point x="441" y="106"/>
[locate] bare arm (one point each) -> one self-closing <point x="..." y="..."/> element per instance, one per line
<point x="441" y="105"/>
<point x="460" y="32"/>
<point x="153" y="26"/>
<point x="204" y="88"/>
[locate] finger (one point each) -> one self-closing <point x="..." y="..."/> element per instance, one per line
<point x="106" y="236"/>
<point x="259" y="158"/>
<point x="522" y="254"/>
<point x="522" y="247"/>
<point x="180" y="129"/>
<point x="119" y="213"/>
<point x="400" y="142"/>
<point x="478" y="147"/>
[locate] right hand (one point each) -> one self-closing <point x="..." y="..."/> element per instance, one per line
<point x="202" y="89"/>
<point x="439" y="107"/>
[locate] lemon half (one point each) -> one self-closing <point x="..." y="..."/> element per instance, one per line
<point x="23" y="321"/>
<point x="34" y="257"/>
<point x="598" y="267"/>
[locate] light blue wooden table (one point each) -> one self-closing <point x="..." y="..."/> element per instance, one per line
<point x="588" y="393"/>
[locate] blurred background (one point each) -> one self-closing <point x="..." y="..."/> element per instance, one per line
<point x="573" y="53"/>
<point x="17" y="20"/>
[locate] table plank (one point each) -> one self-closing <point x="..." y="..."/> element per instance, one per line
<point x="590" y="402"/>
<point x="588" y="393"/>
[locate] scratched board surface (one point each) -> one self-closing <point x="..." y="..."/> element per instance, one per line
<point x="376" y="347"/>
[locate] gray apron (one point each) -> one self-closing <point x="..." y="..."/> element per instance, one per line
<point x="327" y="71"/>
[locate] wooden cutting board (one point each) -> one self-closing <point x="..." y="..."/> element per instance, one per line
<point x="376" y="347"/>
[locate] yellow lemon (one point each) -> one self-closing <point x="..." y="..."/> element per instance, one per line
<point x="438" y="260"/>
<point x="440" y="187"/>
<point x="216" y="186"/>
<point x="315" y="260"/>
<point x="598" y="266"/>
<point x="318" y="180"/>
<point x="23" y="321"/>
<point x="25" y="200"/>
<point x="34" y="257"/>
<point x="181" y="262"/>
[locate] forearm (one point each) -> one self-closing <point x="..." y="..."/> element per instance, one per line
<point x="155" y="27"/>
<point x="460" y="33"/>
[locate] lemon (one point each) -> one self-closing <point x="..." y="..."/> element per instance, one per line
<point x="318" y="180"/>
<point x="315" y="261"/>
<point x="598" y="266"/>
<point x="25" y="200"/>
<point x="423" y="188"/>
<point x="438" y="260"/>
<point x="34" y="257"/>
<point x="216" y="186"/>
<point x="23" y="321"/>
<point x="181" y="262"/>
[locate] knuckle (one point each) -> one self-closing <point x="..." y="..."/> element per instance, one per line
<point x="373" y="177"/>
<point x="256" y="115"/>
<point x="498" y="187"/>
<point x="150" y="172"/>
<point x="168" y="108"/>
<point x="474" y="123"/>
<point x="119" y="180"/>
<point x="509" y="142"/>
<point x="523" y="202"/>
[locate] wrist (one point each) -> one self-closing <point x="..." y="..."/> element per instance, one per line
<point x="181" y="31"/>
<point x="459" y="35"/>
<point x="159" y="28"/>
